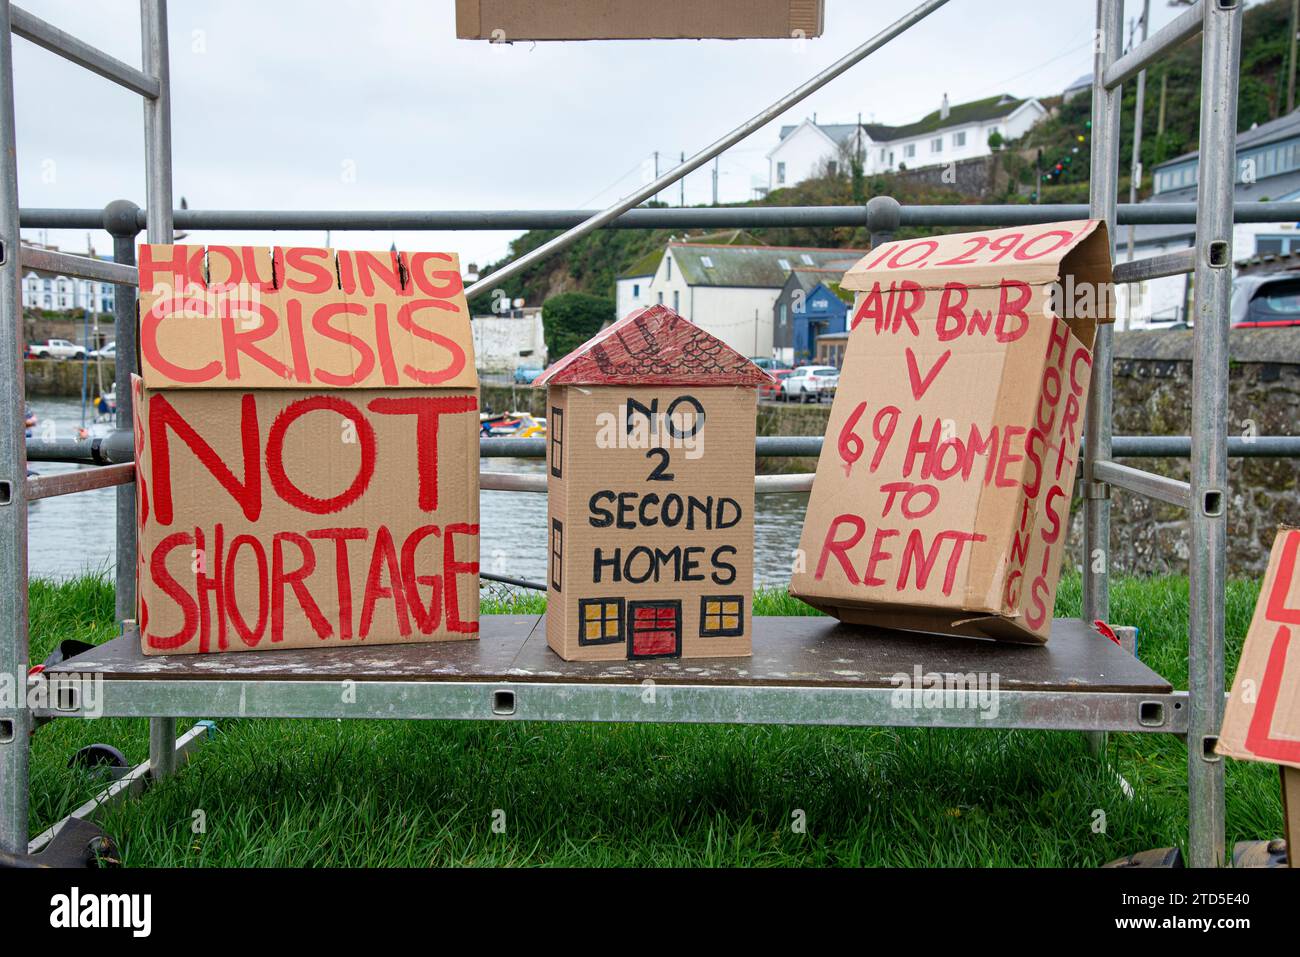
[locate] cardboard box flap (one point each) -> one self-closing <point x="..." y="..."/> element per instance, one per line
<point x="255" y="317"/>
<point x="1033" y="254"/>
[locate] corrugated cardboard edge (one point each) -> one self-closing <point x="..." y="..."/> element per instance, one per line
<point x="806" y="19"/>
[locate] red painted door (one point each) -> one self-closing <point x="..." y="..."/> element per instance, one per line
<point x="654" y="629"/>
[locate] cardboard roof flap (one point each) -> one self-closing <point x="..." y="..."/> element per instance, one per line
<point x="257" y="317"/>
<point x="653" y="346"/>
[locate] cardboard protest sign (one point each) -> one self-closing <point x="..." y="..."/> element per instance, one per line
<point x="1262" y="718"/>
<point x="306" y="434"/>
<point x="651" y="493"/>
<point x="942" y="495"/>
<point x="504" y="21"/>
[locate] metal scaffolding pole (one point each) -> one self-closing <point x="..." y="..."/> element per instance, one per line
<point x="158" y="189"/>
<point x="1103" y="197"/>
<point x="15" y="722"/>
<point x="1220" y="62"/>
<point x="120" y="222"/>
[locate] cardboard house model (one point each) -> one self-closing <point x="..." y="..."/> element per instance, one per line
<point x="306" y="449"/>
<point x="651" y="493"/>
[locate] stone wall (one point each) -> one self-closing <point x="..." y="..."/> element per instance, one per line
<point x="55" y="377"/>
<point x="1153" y="396"/>
<point x="979" y="176"/>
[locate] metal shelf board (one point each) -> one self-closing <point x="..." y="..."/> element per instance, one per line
<point x="804" y="670"/>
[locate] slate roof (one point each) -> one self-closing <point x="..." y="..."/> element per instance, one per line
<point x="1271" y="188"/>
<point x="1281" y="128"/>
<point x="755" y="267"/>
<point x="959" y="114"/>
<point x="653" y="346"/>
<point x="648" y="264"/>
<point x="808" y="279"/>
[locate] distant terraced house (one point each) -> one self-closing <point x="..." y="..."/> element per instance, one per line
<point x="950" y="134"/>
<point x="729" y="290"/>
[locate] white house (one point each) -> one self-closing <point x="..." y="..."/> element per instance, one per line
<point x="632" y="287"/>
<point x="950" y="133"/>
<point x="730" y="290"/>
<point x="1268" y="170"/>
<point x="57" y="293"/>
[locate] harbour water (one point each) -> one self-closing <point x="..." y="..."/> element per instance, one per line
<point x="74" y="534"/>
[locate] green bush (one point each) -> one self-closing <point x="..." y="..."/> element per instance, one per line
<point x="571" y="318"/>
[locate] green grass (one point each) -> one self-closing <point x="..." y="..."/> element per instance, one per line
<point x="368" y="793"/>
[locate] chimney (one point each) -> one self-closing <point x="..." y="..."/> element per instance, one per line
<point x="943" y="108"/>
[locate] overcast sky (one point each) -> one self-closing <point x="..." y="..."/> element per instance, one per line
<point x="374" y="104"/>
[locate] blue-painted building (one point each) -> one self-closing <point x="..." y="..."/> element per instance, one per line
<point x="807" y="307"/>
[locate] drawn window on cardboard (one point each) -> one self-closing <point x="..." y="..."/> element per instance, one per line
<point x="722" y="616"/>
<point x="600" y="621"/>
<point x="654" y="629"/>
<point x="556" y="429"/>
<point x="557" y="553"/>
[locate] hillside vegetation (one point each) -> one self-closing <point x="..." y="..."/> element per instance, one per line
<point x="1171" y="124"/>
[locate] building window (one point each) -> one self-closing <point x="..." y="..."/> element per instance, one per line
<point x="959" y="139"/>
<point x="706" y="262"/>
<point x="781" y="312"/>
<point x="556" y="429"/>
<point x="883" y="154"/>
<point x="600" y="621"/>
<point x="722" y="616"/>
<point x="557" y="553"/>
<point x="668" y="265"/>
<point x="636" y="290"/>
<point x="784" y="264"/>
<point x="832" y="167"/>
<point x="677" y="300"/>
<point x="780" y="172"/>
<point x="654" y="629"/>
<point x="909" y="150"/>
<point x="661" y="298"/>
<point x="1276" y="245"/>
<point x="936" y="145"/>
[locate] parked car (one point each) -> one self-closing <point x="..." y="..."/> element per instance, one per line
<point x="810" y="383"/>
<point x="767" y="364"/>
<point x="108" y="352"/>
<point x="772" y="390"/>
<point x="1262" y="302"/>
<point x="56" y="349"/>
<point x="524" y="375"/>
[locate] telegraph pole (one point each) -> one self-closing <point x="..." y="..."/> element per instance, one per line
<point x="1290" y="73"/>
<point x="682" y="184"/>
<point x="715" y="181"/>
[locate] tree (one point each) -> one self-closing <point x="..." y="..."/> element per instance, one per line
<point x="571" y="318"/>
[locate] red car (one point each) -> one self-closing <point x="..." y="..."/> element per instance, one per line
<point x="772" y="390"/>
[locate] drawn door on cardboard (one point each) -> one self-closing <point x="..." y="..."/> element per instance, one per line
<point x="654" y="629"/>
